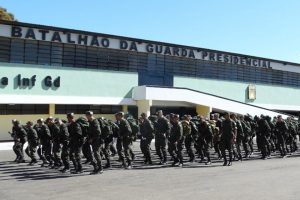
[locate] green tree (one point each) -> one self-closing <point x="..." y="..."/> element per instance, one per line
<point x="4" y="15"/>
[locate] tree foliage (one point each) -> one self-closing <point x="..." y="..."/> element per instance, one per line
<point x="4" y="15"/>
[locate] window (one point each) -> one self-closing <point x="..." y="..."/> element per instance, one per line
<point x="70" y="55"/>
<point x="81" y="109"/>
<point x="80" y="56"/>
<point x="17" y="51"/>
<point x="31" y="52"/>
<point x="44" y="53"/>
<point x="23" y="109"/>
<point x="56" y="54"/>
<point x="4" y="49"/>
<point x="92" y="57"/>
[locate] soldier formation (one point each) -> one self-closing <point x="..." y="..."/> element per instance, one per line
<point x="57" y="142"/>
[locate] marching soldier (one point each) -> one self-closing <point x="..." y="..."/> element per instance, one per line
<point x="281" y="132"/>
<point x="204" y="140"/>
<point x="263" y="134"/>
<point x="20" y="139"/>
<point x="76" y="142"/>
<point x="147" y="134"/>
<point x="217" y="134"/>
<point x="56" y="148"/>
<point x="239" y="138"/>
<point x="32" y="138"/>
<point x="162" y="130"/>
<point x="125" y="140"/>
<point x="95" y="140"/>
<point x="45" y="140"/>
<point x="108" y="150"/>
<point x="176" y="141"/>
<point x="228" y="137"/>
<point x="64" y="140"/>
<point x="247" y="135"/>
<point x="187" y="137"/>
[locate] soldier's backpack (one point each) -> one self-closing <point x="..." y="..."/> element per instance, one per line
<point x="114" y="128"/>
<point x="106" y="128"/>
<point x="134" y="128"/>
<point x="84" y="125"/>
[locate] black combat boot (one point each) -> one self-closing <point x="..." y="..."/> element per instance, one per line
<point x="108" y="165"/>
<point x="129" y="165"/>
<point x="95" y="171"/>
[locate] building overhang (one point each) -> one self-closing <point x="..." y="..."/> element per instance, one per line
<point x="80" y="100"/>
<point x="157" y="93"/>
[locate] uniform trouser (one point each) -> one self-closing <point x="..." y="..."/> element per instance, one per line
<point x="126" y="149"/>
<point x="281" y="145"/>
<point x="112" y="148"/>
<point x="30" y="151"/>
<point x="41" y="152"/>
<point x="86" y="151"/>
<point x="259" y="141"/>
<point x="131" y="151"/>
<point x="217" y="147"/>
<point x="19" y="150"/>
<point x="75" y="154"/>
<point x="57" y="153"/>
<point x="264" y="146"/>
<point x="189" y="143"/>
<point x="119" y="148"/>
<point x="246" y="145"/>
<point x="203" y="149"/>
<point x="291" y="141"/>
<point x="250" y="143"/>
<point x="145" y="148"/>
<point x="226" y="145"/>
<point x="238" y="146"/>
<point x="294" y="146"/>
<point x="16" y="151"/>
<point x="200" y="148"/>
<point x="272" y="142"/>
<point x="47" y="152"/>
<point x="65" y="151"/>
<point x="160" y="147"/>
<point x="107" y="149"/>
<point x="176" y="151"/>
<point x="96" y="157"/>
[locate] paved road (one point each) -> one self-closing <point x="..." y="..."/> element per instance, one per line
<point x="253" y="179"/>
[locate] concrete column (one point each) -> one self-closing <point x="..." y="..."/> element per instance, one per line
<point x="203" y="110"/>
<point x="52" y="110"/>
<point x="125" y="108"/>
<point x="144" y="106"/>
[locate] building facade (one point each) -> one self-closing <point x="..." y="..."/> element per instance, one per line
<point x="52" y="71"/>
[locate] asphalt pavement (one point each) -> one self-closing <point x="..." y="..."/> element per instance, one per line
<point x="253" y="179"/>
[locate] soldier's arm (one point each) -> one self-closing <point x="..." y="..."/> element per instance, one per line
<point x="23" y="133"/>
<point x="234" y="130"/>
<point x="35" y="135"/>
<point x="47" y="131"/>
<point x="96" y="129"/>
<point x="168" y="126"/>
<point x="150" y="126"/>
<point x="125" y="128"/>
<point x="65" y="133"/>
<point x="268" y="126"/>
<point x="78" y="130"/>
<point x="180" y="133"/>
<point x="241" y="128"/>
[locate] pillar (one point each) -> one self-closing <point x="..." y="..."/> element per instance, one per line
<point x="125" y="108"/>
<point x="203" y="110"/>
<point x="52" y="110"/>
<point x="144" y="106"/>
